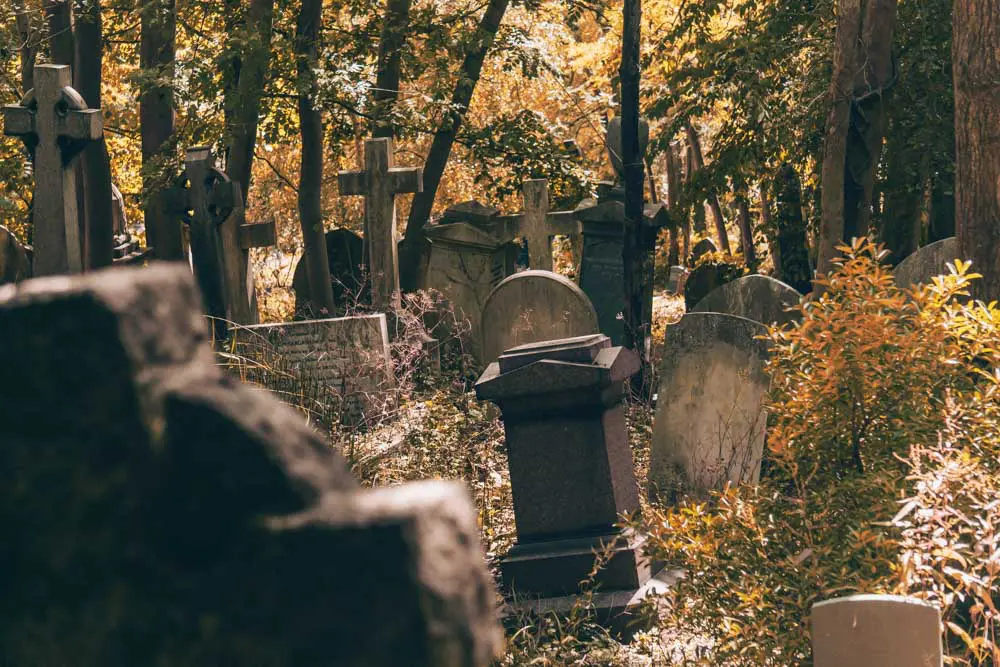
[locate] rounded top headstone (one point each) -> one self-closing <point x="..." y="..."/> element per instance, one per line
<point x="615" y="142"/>
<point x="927" y="262"/>
<point x="534" y="306"/>
<point x="759" y="298"/>
<point x="702" y="248"/>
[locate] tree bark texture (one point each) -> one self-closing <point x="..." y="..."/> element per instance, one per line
<point x="678" y="217"/>
<point x="254" y="61"/>
<point x="900" y="228"/>
<point x="862" y="70"/>
<point x="976" y="72"/>
<point x="390" y="55"/>
<point x="746" y="232"/>
<point x="770" y="231"/>
<point x="713" y="199"/>
<point x="157" y="53"/>
<point x="792" y="245"/>
<point x="27" y="36"/>
<point x="444" y="139"/>
<point x="311" y="167"/>
<point x="96" y="165"/>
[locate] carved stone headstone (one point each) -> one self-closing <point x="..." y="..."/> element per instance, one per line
<point x="537" y="225"/>
<point x="345" y="255"/>
<point x="876" y="631"/>
<point x="380" y="182"/>
<point x="55" y="124"/>
<point x="14" y="264"/>
<point x="534" y="306"/>
<point x="571" y="470"/>
<point x="160" y="513"/>
<point x="710" y="419"/>
<point x="702" y="248"/>
<point x="759" y="298"/>
<point x="927" y="262"/>
<point x="706" y="278"/>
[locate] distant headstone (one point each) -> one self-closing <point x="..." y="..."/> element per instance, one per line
<point x="876" y="631"/>
<point x="571" y="470"/>
<point x="615" y="143"/>
<point x="706" y="278"/>
<point x="380" y="182"/>
<point x="344" y="252"/>
<point x="471" y="212"/>
<point x="55" y="124"/>
<point x="14" y="264"/>
<point x="160" y="513"/>
<point x="710" y="419"/>
<point x="537" y="225"/>
<point x="702" y="248"/>
<point x="676" y="279"/>
<point x="927" y="262"/>
<point x="348" y="357"/>
<point x="466" y="261"/>
<point x="534" y="306"/>
<point x="759" y="298"/>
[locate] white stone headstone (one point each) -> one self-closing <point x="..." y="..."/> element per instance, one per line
<point x="710" y="418"/>
<point x="533" y="306"/>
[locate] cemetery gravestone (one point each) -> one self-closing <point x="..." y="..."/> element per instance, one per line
<point x="346" y="357"/>
<point x="537" y="225"/>
<point x="927" y="262"/>
<point x="615" y="142"/>
<point x="759" y="298"/>
<point x="380" y="182"/>
<point x="345" y="255"/>
<point x="710" y="418"/>
<point x="571" y="471"/>
<point x="706" y="278"/>
<point x="534" y="306"/>
<point x="55" y="124"/>
<point x="14" y="264"/>
<point x="876" y="631"/>
<point x="676" y="280"/>
<point x="158" y="512"/>
<point x="702" y="248"/>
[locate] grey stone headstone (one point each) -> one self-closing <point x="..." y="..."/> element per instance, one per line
<point x="470" y="211"/>
<point x="927" y="262"/>
<point x="759" y="298"/>
<point x="615" y="143"/>
<point x="876" y="631"/>
<point x="344" y="253"/>
<point x="533" y="306"/>
<point x="157" y="512"/>
<point x="675" y="282"/>
<point x="705" y="279"/>
<point x="702" y="248"/>
<point x="602" y="274"/>
<point x="710" y="420"/>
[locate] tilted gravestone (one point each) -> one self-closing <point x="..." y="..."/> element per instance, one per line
<point x="710" y="418"/>
<point x="759" y="298"/>
<point x="14" y="264"/>
<point x="927" y="262"/>
<point x="571" y="472"/>
<point x="345" y="255"/>
<point x="533" y="306"/>
<point x="702" y="248"/>
<point x="876" y="631"/>
<point x="55" y="124"/>
<point x="156" y="512"/>
<point x="380" y="182"/>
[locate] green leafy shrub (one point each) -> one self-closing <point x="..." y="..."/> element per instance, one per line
<point x="879" y="396"/>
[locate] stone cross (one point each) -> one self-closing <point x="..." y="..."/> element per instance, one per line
<point x="211" y="205"/>
<point x="537" y="225"/>
<point x="55" y="124"/>
<point x="380" y="182"/>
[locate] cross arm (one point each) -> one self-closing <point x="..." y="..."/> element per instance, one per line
<point x="82" y="125"/>
<point x="406" y="179"/>
<point x="18" y="121"/>
<point x="258" y="235"/>
<point x="352" y="182"/>
<point x="563" y="223"/>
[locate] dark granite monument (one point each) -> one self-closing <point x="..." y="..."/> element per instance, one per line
<point x="571" y="471"/>
<point x="345" y="255"/>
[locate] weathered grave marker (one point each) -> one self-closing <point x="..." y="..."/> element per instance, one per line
<point x="160" y="513"/>
<point x="927" y="262"/>
<point x="345" y="255"/>
<point x="702" y="248"/>
<point x="759" y="298"/>
<point x="675" y="282"/>
<point x="55" y="124"/>
<point x="14" y="264"/>
<point x="876" y="631"/>
<point x="534" y="306"/>
<point x="710" y="419"/>
<point x="380" y="182"/>
<point x="706" y="278"/>
<point x="571" y="472"/>
<point x="537" y="225"/>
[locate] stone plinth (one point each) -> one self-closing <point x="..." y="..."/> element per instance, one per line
<point x="571" y="468"/>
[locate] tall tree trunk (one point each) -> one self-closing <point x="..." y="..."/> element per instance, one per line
<point x="311" y="170"/>
<point x="792" y="243"/>
<point x="900" y="230"/>
<point x="862" y="70"/>
<point x="27" y="36"/>
<point x="252" y="74"/>
<point x="444" y="138"/>
<point x="770" y="231"/>
<point x="976" y="71"/>
<point x="677" y="214"/>
<point x="746" y="232"/>
<point x="95" y="161"/>
<point x="157" y="52"/>
<point x="713" y="198"/>
<point x="941" y="223"/>
<point x="636" y="255"/>
<point x="390" y="53"/>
